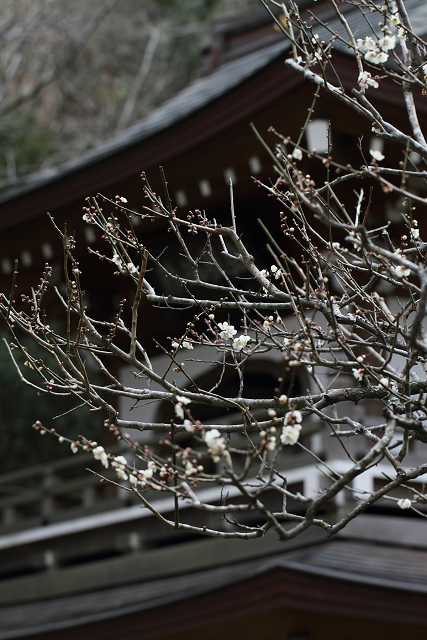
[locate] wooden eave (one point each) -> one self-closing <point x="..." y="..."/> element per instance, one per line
<point x="292" y="591"/>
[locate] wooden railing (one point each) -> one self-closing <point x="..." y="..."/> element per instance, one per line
<point x="57" y="491"/>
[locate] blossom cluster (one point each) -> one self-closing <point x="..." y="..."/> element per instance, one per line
<point x="184" y="344"/>
<point x="415" y="232"/>
<point x="100" y="454"/>
<point x="216" y="443"/>
<point x="359" y="374"/>
<point x="130" y="267"/>
<point x="120" y="464"/>
<point x="291" y="428"/>
<point x="274" y="271"/>
<point x="376" y="51"/>
<point x="400" y="271"/>
<point x="365" y="80"/>
<point x="228" y="332"/>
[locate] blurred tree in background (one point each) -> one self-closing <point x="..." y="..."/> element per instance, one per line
<point x="75" y="72"/>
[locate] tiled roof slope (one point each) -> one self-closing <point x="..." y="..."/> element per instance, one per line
<point x="350" y="561"/>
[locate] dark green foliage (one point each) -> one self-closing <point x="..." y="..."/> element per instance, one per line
<point x="24" y="144"/>
<point x="20" y="406"/>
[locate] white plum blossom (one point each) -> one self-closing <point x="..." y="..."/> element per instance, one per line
<point x="149" y="472"/>
<point x="283" y="399"/>
<point x="387" y="42"/>
<point x="376" y="56"/>
<point x="185" y="344"/>
<point x="179" y="411"/>
<point x="121" y="473"/>
<point x="400" y="272"/>
<point x="119" y="464"/>
<point x="385" y="382"/>
<point x="276" y="271"/>
<point x="215" y="441"/>
<point x="401" y="34"/>
<point x="271" y="444"/>
<point x="189" y="426"/>
<point x="292" y="417"/>
<point x="122" y="199"/>
<point x="189" y="469"/>
<point x="356" y="242"/>
<point x="99" y="454"/>
<point x="394" y="20"/>
<point x="131" y="268"/>
<point x="376" y="154"/>
<point x="404" y="503"/>
<point x="117" y="261"/>
<point x="365" y="81"/>
<point x="227" y="330"/>
<point x="87" y="217"/>
<point x="297" y="154"/>
<point x="133" y="480"/>
<point x="358" y="374"/>
<point x="290" y="434"/>
<point x="240" y="342"/>
<point x="74" y="447"/>
<point x="366" y="44"/>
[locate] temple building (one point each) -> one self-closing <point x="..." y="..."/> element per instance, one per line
<point x="82" y="558"/>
